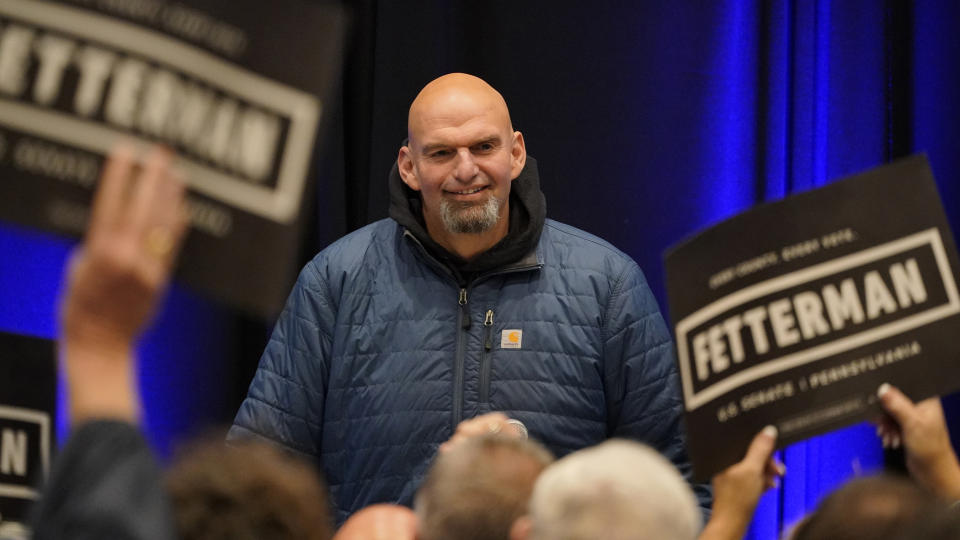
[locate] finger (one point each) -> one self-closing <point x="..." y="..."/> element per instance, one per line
<point x="774" y="468"/>
<point x="72" y="269"/>
<point x="772" y="473"/>
<point x="170" y="204"/>
<point x="770" y="482"/>
<point x="762" y="446"/>
<point x="485" y="423"/>
<point x="450" y="443"/>
<point x="889" y="433"/>
<point x="889" y="425"/>
<point x="495" y="422"/>
<point x="144" y="204"/>
<point x="471" y="428"/>
<point x="895" y="403"/>
<point x="169" y="219"/>
<point x="108" y="201"/>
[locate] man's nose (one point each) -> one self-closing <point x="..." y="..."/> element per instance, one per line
<point x="466" y="166"/>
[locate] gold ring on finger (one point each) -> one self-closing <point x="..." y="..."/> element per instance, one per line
<point x="159" y="242"/>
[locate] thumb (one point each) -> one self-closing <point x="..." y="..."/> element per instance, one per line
<point x="762" y="446"/>
<point x="895" y="403"/>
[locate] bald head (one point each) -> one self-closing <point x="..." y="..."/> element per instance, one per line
<point x="462" y="156"/>
<point x="380" y="522"/>
<point x="455" y="97"/>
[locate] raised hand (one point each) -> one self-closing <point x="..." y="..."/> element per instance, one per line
<point x="922" y="429"/>
<point x="116" y="278"/>
<point x="737" y="490"/>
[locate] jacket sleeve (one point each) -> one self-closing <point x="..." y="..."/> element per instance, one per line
<point x="643" y="397"/>
<point x="105" y="483"/>
<point x="284" y="404"/>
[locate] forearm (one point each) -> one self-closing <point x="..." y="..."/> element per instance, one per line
<point x="723" y="526"/>
<point x="943" y="477"/>
<point x="101" y="381"/>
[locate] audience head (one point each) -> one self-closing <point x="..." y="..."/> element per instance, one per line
<point x="477" y="489"/>
<point x="618" y="490"/>
<point x="246" y="491"/>
<point x="380" y="522"/>
<point x="876" y="507"/>
<point x="940" y="522"/>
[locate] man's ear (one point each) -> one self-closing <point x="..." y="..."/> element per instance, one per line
<point x="520" y="530"/>
<point x="518" y="155"/>
<point x="405" y="166"/>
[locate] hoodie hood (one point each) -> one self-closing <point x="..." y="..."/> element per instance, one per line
<point x="528" y="210"/>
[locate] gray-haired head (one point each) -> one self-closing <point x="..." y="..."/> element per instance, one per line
<point x="476" y="490"/>
<point x="618" y="490"/>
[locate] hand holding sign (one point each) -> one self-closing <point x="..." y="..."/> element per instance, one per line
<point x="923" y="430"/>
<point x="116" y="279"/>
<point x="737" y="490"/>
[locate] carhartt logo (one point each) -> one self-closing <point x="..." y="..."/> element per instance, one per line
<point x="511" y="339"/>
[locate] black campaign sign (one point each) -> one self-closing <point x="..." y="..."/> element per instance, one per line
<point x="237" y="88"/>
<point x="27" y="403"/>
<point x="24" y="451"/>
<point x="793" y="313"/>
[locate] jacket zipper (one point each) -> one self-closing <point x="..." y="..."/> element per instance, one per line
<point x="463" y="325"/>
<point x="485" y="357"/>
<point x="464" y="310"/>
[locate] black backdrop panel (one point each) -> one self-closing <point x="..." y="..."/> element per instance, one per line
<point x="28" y="390"/>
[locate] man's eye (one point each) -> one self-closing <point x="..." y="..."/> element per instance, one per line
<point x="440" y="153"/>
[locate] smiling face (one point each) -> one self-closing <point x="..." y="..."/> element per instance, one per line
<point x="461" y="156"/>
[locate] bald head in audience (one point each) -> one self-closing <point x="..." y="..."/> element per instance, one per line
<point x="380" y="522"/>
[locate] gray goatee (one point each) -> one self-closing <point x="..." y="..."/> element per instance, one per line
<point x="460" y="218"/>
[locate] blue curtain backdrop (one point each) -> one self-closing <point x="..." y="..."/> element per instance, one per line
<point x="650" y="120"/>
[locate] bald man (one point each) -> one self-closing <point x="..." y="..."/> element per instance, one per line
<point x="380" y="522"/>
<point x="464" y="302"/>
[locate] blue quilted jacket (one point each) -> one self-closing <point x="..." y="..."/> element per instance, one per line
<point x="379" y="353"/>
